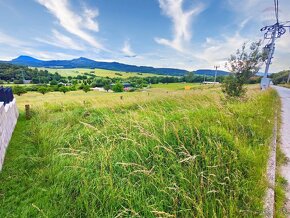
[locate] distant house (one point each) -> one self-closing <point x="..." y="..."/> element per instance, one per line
<point x="127" y="85"/>
<point x="64" y="84"/>
<point x="211" y="83"/>
<point x="25" y="81"/>
<point x="99" y="89"/>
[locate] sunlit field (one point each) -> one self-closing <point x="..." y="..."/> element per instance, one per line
<point x="181" y="86"/>
<point x="107" y="99"/>
<point x="163" y="152"/>
<point x="98" y="72"/>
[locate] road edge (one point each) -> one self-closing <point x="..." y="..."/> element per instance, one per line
<point x="269" y="203"/>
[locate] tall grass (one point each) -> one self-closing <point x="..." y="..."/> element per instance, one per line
<point x="188" y="155"/>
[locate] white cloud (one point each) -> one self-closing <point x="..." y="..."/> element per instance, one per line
<point x="46" y="55"/>
<point x="15" y="47"/>
<point x="181" y="20"/>
<point x="127" y="50"/>
<point x="11" y="41"/>
<point x="62" y="41"/>
<point x="75" y="24"/>
<point x="218" y="51"/>
<point x="248" y="13"/>
<point x="89" y="16"/>
<point x="281" y="60"/>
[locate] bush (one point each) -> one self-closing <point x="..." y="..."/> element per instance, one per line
<point x="233" y="87"/>
<point x="118" y="87"/>
<point x="19" y="90"/>
<point x="244" y="65"/>
<point x="53" y="83"/>
<point x="64" y="89"/>
<point x="86" y="88"/>
<point x="107" y="87"/>
<point x="43" y="90"/>
<point x="18" y="81"/>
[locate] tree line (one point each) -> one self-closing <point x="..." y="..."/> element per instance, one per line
<point x="17" y="74"/>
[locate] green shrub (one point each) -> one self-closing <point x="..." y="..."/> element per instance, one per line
<point x="43" y="90"/>
<point x="118" y="87"/>
<point x="233" y="87"/>
<point x="19" y="90"/>
<point x="86" y="88"/>
<point x="64" y="89"/>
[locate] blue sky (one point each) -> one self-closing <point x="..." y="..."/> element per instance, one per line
<point x="189" y="34"/>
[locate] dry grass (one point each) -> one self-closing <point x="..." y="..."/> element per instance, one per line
<point x="169" y="154"/>
<point x="97" y="99"/>
<point x="98" y="72"/>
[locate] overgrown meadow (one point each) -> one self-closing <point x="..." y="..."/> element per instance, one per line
<point x="182" y="154"/>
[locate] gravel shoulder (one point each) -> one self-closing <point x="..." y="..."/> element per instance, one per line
<point x="285" y="138"/>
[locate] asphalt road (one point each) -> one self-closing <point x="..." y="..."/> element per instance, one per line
<point x="285" y="138"/>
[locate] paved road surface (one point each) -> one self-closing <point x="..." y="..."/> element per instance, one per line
<point x="285" y="137"/>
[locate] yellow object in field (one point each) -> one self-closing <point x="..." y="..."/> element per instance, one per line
<point x="187" y="87"/>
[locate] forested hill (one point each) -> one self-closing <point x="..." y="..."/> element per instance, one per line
<point x="16" y="74"/>
<point x="91" y="64"/>
<point x="115" y="66"/>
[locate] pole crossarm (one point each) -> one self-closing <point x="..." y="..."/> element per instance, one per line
<point x="271" y="33"/>
<point x="278" y="28"/>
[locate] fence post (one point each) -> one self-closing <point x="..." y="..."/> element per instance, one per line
<point x="27" y="112"/>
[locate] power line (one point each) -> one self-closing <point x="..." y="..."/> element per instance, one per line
<point x="276" y="3"/>
<point x="272" y="32"/>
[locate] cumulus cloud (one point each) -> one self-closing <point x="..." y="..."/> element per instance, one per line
<point x="218" y="51"/>
<point x="127" y="50"/>
<point x="181" y="20"/>
<point x="76" y="24"/>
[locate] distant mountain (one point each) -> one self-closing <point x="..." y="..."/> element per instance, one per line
<point x="25" y="60"/>
<point x="88" y="63"/>
<point x="91" y="64"/>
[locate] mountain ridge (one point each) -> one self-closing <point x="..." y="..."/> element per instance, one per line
<point x="83" y="62"/>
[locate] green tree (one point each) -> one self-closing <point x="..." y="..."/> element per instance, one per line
<point x="86" y="88"/>
<point x="43" y="90"/>
<point x="233" y="87"/>
<point x="63" y="89"/>
<point x="107" y="87"/>
<point x="189" y="77"/>
<point x="19" y="90"/>
<point x="53" y="83"/>
<point x="243" y="65"/>
<point x="118" y="87"/>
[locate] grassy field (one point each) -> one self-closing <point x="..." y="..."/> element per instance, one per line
<point x="97" y="72"/>
<point x="100" y="99"/>
<point x="181" y="86"/>
<point x="166" y="154"/>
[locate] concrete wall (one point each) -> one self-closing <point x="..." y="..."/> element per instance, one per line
<point x="8" y="120"/>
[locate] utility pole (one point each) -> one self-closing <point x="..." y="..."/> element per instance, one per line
<point x="272" y="32"/>
<point x="270" y="48"/>
<point x="216" y="67"/>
